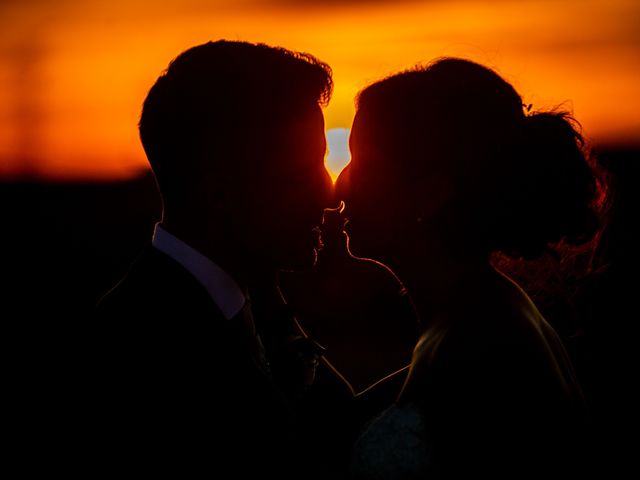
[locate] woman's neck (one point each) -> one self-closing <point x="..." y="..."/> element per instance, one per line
<point x="434" y="275"/>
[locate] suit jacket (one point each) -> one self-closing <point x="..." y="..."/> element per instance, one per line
<point x="176" y="387"/>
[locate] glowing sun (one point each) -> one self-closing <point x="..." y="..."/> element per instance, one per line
<point x="338" y="155"/>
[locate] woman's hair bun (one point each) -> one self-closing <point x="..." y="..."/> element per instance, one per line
<point x="558" y="191"/>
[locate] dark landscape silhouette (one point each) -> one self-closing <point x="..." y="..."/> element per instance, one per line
<point x="64" y="244"/>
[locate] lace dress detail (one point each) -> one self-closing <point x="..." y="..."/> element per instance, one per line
<point x="393" y="445"/>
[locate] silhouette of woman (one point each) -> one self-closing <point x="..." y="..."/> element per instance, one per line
<point x="447" y="167"/>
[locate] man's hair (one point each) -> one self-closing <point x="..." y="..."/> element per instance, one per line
<point x="219" y="99"/>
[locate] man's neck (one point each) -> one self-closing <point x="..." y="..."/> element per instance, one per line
<point x="209" y="242"/>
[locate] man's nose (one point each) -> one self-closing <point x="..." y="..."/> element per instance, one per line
<point x="326" y="190"/>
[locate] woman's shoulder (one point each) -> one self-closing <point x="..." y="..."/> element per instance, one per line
<point x="495" y="309"/>
<point x="491" y="324"/>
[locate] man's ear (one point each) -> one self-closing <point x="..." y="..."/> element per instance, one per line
<point x="217" y="197"/>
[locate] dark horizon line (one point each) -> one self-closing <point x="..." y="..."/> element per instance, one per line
<point x="33" y="176"/>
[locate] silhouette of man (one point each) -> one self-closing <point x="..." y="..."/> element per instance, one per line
<point x="234" y="134"/>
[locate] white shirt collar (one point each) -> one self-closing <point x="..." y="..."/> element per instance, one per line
<point x="224" y="291"/>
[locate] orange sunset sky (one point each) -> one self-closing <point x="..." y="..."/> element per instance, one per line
<point x="74" y="73"/>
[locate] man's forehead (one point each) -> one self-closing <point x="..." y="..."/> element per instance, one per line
<point x="308" y="116"/>
<point x="300" y="127"/>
